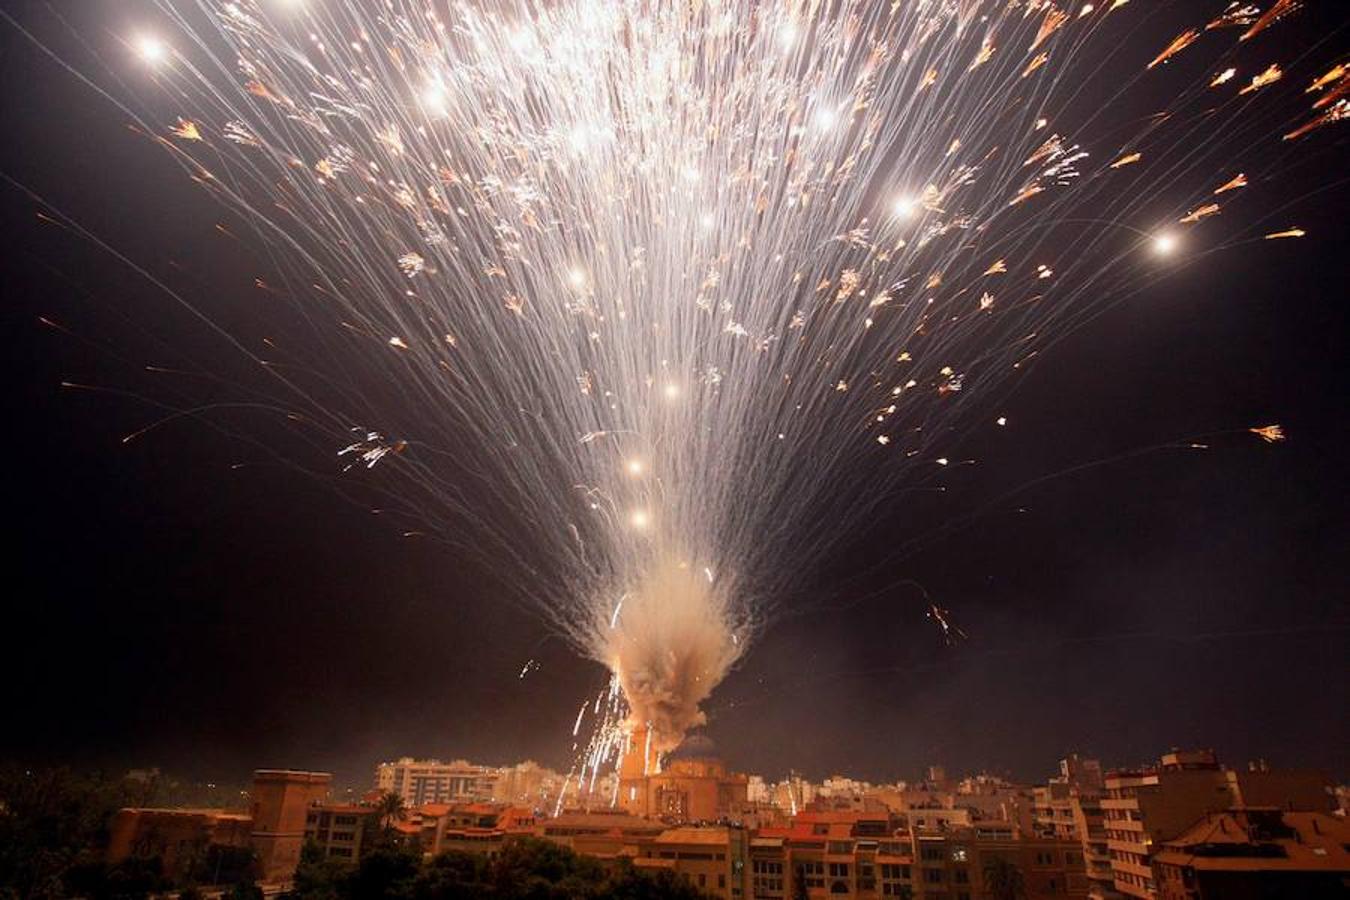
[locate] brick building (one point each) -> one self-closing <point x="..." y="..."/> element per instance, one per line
<point x="1257" y="854"/>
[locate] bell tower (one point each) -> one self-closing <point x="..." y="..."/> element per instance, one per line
<point x="639" y="763"/>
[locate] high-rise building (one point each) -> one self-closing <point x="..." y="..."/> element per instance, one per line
<point x="1147" y="808"/>
<point x="1069" y="808"/>
<point x="424" y="781"/>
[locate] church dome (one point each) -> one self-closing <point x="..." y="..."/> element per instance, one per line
<point x="694" y="746"/>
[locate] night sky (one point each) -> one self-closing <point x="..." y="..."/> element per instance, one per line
<point x="166" y="609"/>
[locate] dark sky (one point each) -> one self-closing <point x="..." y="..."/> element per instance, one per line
<point x="164" y="609"/>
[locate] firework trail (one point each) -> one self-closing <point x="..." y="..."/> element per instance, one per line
<point x="662" y="300"/>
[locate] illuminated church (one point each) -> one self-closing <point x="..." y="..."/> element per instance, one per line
<point x="688" y="784"/>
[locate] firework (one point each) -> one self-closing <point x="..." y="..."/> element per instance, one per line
<point x="671" y="297"/>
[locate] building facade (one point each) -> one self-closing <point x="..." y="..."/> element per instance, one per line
<point x="690" y="784"/>
<point x="1146" y="809"/>
<point x="280" y="803"/>
<point x="424" y="781"/>
<point x="1257" y="854"/>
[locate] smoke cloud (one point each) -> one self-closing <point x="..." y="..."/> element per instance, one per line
<point x="670" y="641"/>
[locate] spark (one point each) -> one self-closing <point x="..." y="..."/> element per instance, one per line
<point x="151" y="49"/>
<point x="1237" y="181"/>
<point x="186" y="129"/>
<point x="1336" y="73"/>
<point x="1181" y="42"/>
<point x="1271" y="434"/>
<point x="950" y="633"/>
<point x="1287" y="233"/>
<point x="1271" y="74"/>
<point x="371" y="448"/>
<point x="1200" y="212"/>
<point x="1277" y="11"/>
<point x="1164" y="244"/>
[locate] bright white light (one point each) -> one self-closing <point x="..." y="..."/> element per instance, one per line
<point x="825" y="118"/>
<point x="640" y="519"/>
<point x="905" y="207"/>
<point x="576" y="278"/>
<point x="151" y="49"/>
<point x="635" y="467"/>
<point x="1164" y="244"/>
<point x="787" y="35"/>
<point x="434" y="98"/>
<point x="672" y="391"/>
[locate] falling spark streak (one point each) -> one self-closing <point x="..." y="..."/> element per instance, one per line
<point x="1181" y="42"/>
<point x="187" y="130"/>
<point x="1237" y="181"/>
<point x="1333" y="75"/>
<point x="1287" y="233"/>
<point x="1271" y="434"/>
<point x="1199" y="213"/>
<point x="1127" y="160"/>
<point x="1269" y="76"/>
<point x="1279" y="10"/>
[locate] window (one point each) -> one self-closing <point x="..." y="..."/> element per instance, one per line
<point x="838" y="870"/>
<point x="961" y="876"/>
<point x="931" y="854"/>
<point x="932" y="876"/>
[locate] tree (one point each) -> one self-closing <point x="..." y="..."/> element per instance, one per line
<point x="316" y="877"/>
<point x="1004" y="880"/>
<point x="49" y="821"/>
<point x="242" y="890"/>
<point x="388" y="873"/>
<point x="390" y="809"/>
<point x="454" y="875"/>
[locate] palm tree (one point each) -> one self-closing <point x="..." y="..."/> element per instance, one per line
<point x="390" y="809"/>
<point x="1003" y="880"/>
